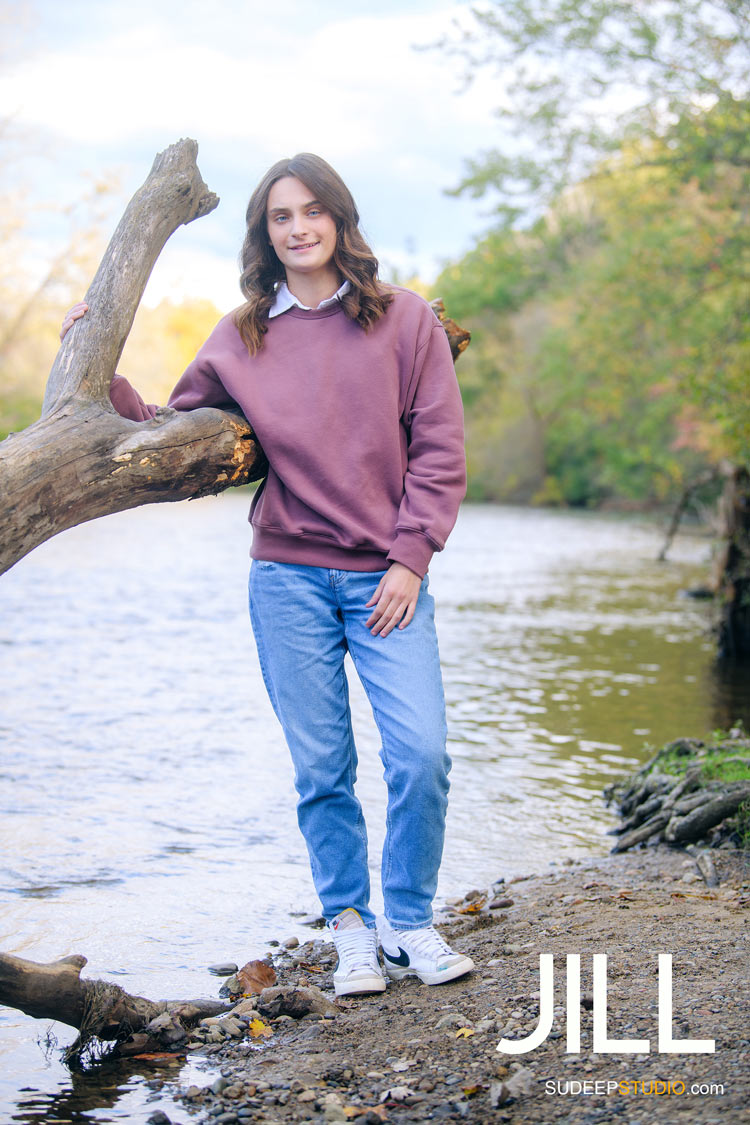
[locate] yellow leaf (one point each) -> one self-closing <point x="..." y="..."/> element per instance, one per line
<point x="258" y="1028"/>
<point x="465" y="1032"/>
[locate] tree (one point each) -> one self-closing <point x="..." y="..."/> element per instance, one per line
<point x="627" y="176"/>
<point x="576" y="78"/>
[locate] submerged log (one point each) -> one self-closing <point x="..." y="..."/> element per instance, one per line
<point x="98" y="1009"/>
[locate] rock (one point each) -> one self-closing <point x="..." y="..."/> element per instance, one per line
<point x="307" y="1096"/>
<point x="220" y="1085"/>
<point x="290" y="943"/>
<point x="295" y="1002"/>
<point x="521" y="1082"/>
<point x="451" y="1019"/>
<point x="158" y="1118"/>
<point x="247" y="1008"/>
<point x="223" y="968"/>
<point x="316" y="921"/>
<point x="333" y="1109"/>
<point x="396" y="1094"/>
<point x="501" y="903"/>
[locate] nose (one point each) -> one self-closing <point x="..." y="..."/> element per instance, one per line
<point x="299" y="224"/>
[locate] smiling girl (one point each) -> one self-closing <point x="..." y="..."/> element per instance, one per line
<point x="350" y="388"/>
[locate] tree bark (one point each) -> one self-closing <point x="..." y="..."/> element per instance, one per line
<point x="733" y="567"/>
<point x="81" y="459"/>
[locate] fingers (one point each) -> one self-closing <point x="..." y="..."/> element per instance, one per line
<point x="388" y="614"/>
<point x="72" y="315"/>
<point x="395" y="600"/>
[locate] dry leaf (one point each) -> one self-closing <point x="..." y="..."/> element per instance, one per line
<point x="470" y="1091"/>
<point x="258" y="1028"/>
<point x="473" y="907"/>
<point x="465" y="1032"/>
<point x="255" y="976"/>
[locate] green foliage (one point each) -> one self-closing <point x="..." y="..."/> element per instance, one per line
<point x="612" y="332"/>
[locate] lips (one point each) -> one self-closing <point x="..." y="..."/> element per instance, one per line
<point x="305" y="246"/>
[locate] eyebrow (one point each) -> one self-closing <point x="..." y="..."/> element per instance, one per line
<point x="310" y="203"/>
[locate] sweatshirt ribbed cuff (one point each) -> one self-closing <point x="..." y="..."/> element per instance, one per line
<point x="412" y="549"/>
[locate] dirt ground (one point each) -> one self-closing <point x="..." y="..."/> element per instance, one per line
<point x="419" y="1053"/>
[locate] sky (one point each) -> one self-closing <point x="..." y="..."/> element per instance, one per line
<point x="103" y="85"/>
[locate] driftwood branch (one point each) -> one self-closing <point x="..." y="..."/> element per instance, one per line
<point x="104" y="1013"/>
<point x="81" y="459"/>
<point x="99" y="1010"/>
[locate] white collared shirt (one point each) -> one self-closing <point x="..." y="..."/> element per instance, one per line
<point x="285" y="299"/>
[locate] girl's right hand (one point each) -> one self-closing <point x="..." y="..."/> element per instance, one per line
<point x="71" y="316"/>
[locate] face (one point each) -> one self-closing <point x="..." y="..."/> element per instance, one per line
<point x="302" y="233"/>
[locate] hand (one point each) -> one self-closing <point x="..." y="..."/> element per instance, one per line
<point x="71" y="316"/>
<point x="395" y="600"/>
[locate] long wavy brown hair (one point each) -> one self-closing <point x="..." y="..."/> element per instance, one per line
<point x="366" y="300"/>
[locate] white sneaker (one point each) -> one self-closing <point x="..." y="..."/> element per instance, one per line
<point x="420" y="953"/>
<point x="358" y="969"/>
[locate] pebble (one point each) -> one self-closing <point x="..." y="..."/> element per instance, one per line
<point x="307" y="1096"/>
<point x="291" y="943"/>
<point x="451" y="1019"/>
<point x="159" y="1118"/>
<point x="223" y="968"/>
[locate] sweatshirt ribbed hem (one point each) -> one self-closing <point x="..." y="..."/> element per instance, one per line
<point x="275" y="546"/>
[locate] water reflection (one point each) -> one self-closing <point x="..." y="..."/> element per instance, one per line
<point x="147" y="817"/>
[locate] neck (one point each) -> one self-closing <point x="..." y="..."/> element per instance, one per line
<point x="313" y="288"/>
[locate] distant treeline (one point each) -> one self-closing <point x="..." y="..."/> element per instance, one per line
<point x="610" y="360"/>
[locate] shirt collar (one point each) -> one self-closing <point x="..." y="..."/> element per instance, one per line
<point x="286" y="300"/>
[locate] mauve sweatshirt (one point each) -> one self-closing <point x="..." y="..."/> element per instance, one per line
<point x="363" y="432"/>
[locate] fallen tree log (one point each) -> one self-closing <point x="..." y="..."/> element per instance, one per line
<point x="99" y="1010"/>
<point x="81" y="459"/>
<point x="104" y="1013"/>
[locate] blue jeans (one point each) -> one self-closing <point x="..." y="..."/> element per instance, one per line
<point x="305" y="618"/>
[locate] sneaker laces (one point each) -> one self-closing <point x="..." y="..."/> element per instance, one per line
<point x="427" y="942"/>
<point x="357" y="949"/>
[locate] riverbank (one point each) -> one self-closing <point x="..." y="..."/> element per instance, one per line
<point x="421" y="1053"/>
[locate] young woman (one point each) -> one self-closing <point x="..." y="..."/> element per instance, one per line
<point x="350" y="387"/>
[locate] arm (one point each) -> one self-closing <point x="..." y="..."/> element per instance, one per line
<point x="434" y="483"/>
<point x="198" y="386"/>
<point x="435" y="478"/>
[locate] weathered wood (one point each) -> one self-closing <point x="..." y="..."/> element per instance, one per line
<point x="694" y="825"/>
<point x="97" y="1009"/>
<point x="81" y="459"/>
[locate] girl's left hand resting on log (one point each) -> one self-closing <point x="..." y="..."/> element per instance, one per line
<point x="395" y="600"/>
<point x="72" y="315"/>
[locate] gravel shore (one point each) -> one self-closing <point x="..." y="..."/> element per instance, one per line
<point x="419" y="1053"/>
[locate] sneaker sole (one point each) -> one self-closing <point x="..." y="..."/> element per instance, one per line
<point x="395" y="972"/>
<point x="364" y="984"/>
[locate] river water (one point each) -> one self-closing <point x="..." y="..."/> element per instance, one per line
<point x="147" y="802"/>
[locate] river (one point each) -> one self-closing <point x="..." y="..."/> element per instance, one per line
<point x="147" y="808"/>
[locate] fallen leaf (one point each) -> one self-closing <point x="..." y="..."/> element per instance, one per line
<point x="470" y="1091"/>
<point x="351" y="1111"/>
<point x="255" y="976"/>
<point x="465" y="1032"/>
<point x="258" y="1028"/>
<point x="309" y="968"/>
<point x="473" y="907"/>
